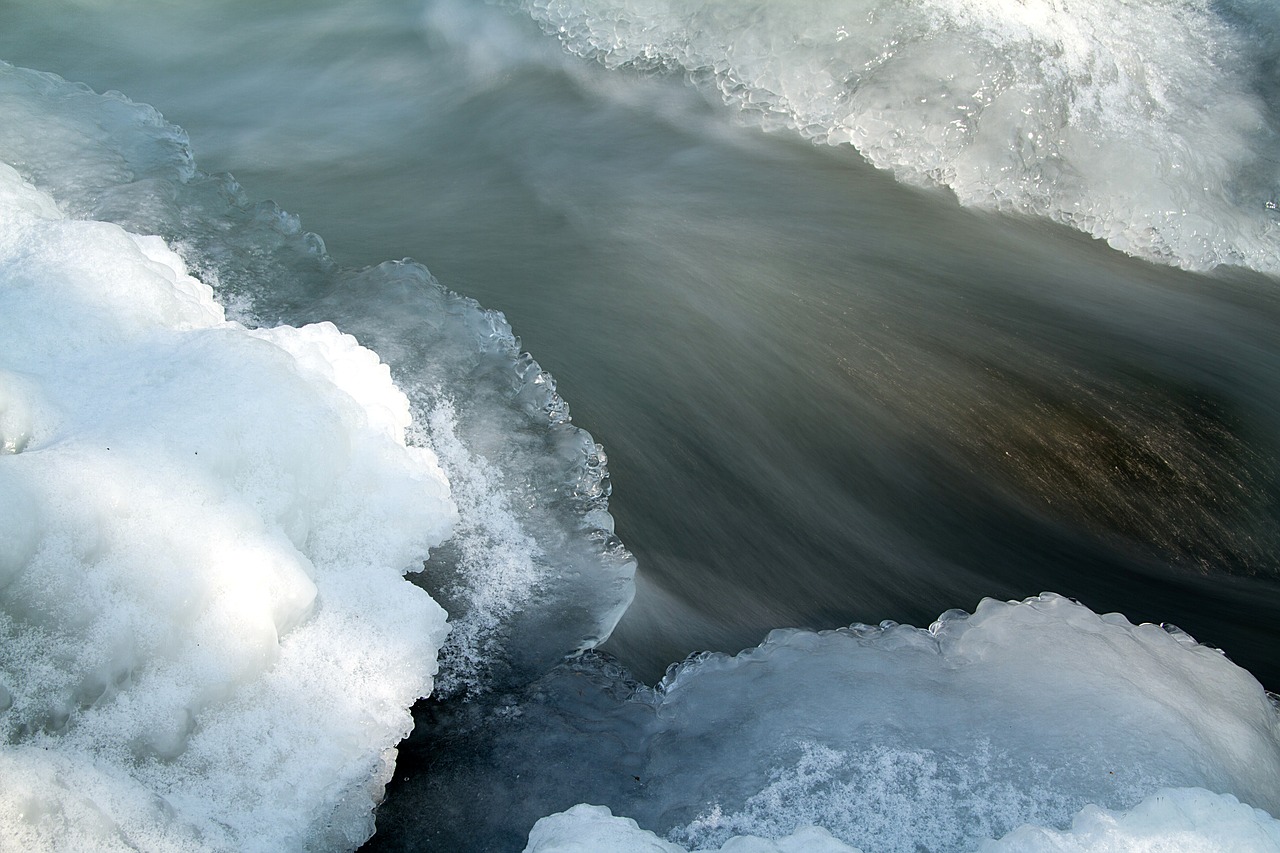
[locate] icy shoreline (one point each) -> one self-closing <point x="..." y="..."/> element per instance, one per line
<point x="207" y="642"/>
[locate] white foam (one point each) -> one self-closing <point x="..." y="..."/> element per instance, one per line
<point x="498" y="562"/>
<point x="206" y="640"/>
<point x="1137" y="123"/>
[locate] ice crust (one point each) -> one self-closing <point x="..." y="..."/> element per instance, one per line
<point x="1178" y="819"/>
<point x="206" y="639"/>
<point x="892" y="738"/>
<point x="1137" y="123"/>
<point x="1020" y="712"/>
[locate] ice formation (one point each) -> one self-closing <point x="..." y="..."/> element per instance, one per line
<point x="594" y="829"/>
<point x="892" y="738"/>
<point x="533" y="569"/>
<point x="1019" y="712"/>
<point x="1136" y="123"/>
<point x="206" y="639"/>
<point x="1172" y="819"/>
<point x="1178" y="819"/>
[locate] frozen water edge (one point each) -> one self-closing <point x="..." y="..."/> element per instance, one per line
<point x="236" y="753"/>
<point x="1172" y="819"/>
<point x="534" y="569"/>
<point x="206" y="528"/>
<point x="1139" y="125"/>
<point x="892" y="738"/>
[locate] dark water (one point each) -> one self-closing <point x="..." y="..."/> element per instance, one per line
<point x="826" y="397"/>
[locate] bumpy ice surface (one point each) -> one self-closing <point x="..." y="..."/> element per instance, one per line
<point x="206" y="639"/>
<point x="1180" y="819"/>
<point x="891" y="738"/>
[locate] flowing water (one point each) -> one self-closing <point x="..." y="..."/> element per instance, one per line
<point x="878" y="309"/>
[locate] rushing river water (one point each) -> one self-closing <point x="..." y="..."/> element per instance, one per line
<point x="830" y="393"/>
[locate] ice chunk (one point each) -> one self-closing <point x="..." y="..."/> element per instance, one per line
<point x="1177" y="819"/>
<point x="594" y="829"/>
<point x="203" y="526"/>
<point x="890" y="737"/>
<point x="206" y="639"/>
<point x="1173" y="819"/>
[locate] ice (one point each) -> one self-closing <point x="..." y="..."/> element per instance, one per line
<point x="206" y="639"/>
<point x="892" y="738"/>
<point x="1177" y="819"/>
<point x="1173" y="819"/>
<point x="594" y="829"/>
<point x="1021" y="712"/>
<point x="1136" y="123"/>
<point x="533" y="570"/>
